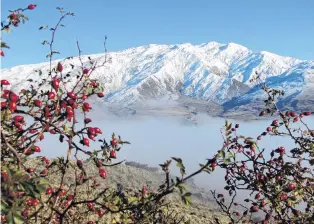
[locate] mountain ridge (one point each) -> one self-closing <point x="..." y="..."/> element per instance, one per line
<point x="211" y="72"/>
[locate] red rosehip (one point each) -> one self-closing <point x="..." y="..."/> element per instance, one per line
<point x="86" y="107"/>
<point x="28" y="152"/>
<point x="262" y="113"/>
<point x="70" y="197"/>
<point x="56" y="83"/>
<point x="100" y="95"/>
<point x="36" y="149"/>
<point x="90" y="204"/>
<point x="307" y="113"/>
<point x="4" y="175"/>
<point x="291" y="187"/>
<point x="259" y="138"/>
<point x="5" y="82"/>
<point x="84" y="97"/>
<point x="33" y="131"/>
<point x="284" y="197"/>
<point x="52" y="131"/>
<point x="63" y="104"/>
<point x="257" y="196"/>
<point x="49" y="191"/>
<point x="18" y="118"/>
<point x="288" y="113"/>
<point x="144" y="190"/>
<point x="37" y="103"/>
<point x="296" y="119"/>
<point x="114" y="142"/>
<point x="13" y="97"/>
<point x="2" y="53"/>
<point x="62" y="192"/>
<point x="51" y="95"/>
<point x="15" y="23"/>
<point x="25" y="212"/>
<point x="94" y="84"/>
<point x="72" y="95"/>
<point x="282" y="149"/>
<point x="13" y="16"/>
<point x="4" y="104"/>
<point x="275" y="123"/>
<point x="59" y="67"/>
<point x="35" y="202"/>
<point x="66" y="204"/>
<point x="86" y="142"/>
<point x="269" y="129"/>
<point x="97" y="130"/>
<point x="293" y="114"/>
<point x="30" y="170"/>
<point x="91" y="131"/>
<point x="69" y="111"/>
<point x="213" y="164"/>
<point x="31" y="6"/>
<point x="44" y="172"/>
<point x="92" y="137"/>
<point x="102" y="173"/>
<point x="101" y="212"/>
<point x="113" y="154"/>
<point x="79" y="163"/>
<point x="87" y="120"/>
<point x="85" y="71"/>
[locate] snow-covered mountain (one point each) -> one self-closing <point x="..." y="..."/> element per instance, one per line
<point x="211" y="72"/>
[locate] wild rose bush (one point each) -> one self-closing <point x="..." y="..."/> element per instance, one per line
<point x="35" y="189"/>
<point x="280" y="186"/>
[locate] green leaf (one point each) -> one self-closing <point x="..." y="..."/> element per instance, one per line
<point x="55" y="52"/>
<point x="45" y="42"/>
<point x="177" y="159"/>
<point x="116" y="200"/>
<point x="17" y="218"/>
<point x="4" y="45"/>
<point x="43" y="27"/>
<point x="9" y="218"/>
<point x="132" y="199"/>
<point x="4" y="207"/>
<point x="229" y="155"/>
<point x="66" y="129"/>
<point x="227" y="161"/>
<point x="228" y="125"/>
<point x="187" y="198"/>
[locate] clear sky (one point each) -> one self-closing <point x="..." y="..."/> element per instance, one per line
<point x="284" y="27"/>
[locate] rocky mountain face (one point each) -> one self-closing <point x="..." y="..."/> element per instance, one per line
<point x="213" y="77"/>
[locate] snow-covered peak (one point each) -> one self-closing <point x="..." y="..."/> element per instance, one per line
<point x="210" y="71"/>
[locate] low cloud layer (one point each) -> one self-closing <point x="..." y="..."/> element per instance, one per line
<point x="156" y="139"/>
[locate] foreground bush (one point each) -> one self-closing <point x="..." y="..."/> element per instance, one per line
<point x="36" y="189"/>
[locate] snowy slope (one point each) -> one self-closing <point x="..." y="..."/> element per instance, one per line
<point x="297" y="84"/>
<point x="212" y="72"/>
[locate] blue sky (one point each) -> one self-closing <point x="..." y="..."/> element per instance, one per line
<point x="282" y="27"/>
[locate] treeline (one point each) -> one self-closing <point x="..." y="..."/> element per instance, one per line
<point x="142" y="166"/>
